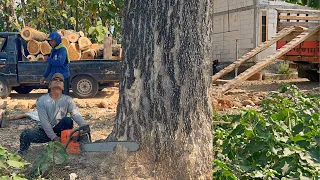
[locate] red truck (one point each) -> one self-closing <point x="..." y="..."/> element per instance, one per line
<point x="306" y="56"/>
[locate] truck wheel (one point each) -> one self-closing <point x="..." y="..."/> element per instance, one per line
<point x="23" y="89"/>
<point x="5" y="89"/>
<point x="84" y="86"/>
<point x="314" y="76"/>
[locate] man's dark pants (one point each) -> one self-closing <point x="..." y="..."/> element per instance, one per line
<point x="37" y="135"/>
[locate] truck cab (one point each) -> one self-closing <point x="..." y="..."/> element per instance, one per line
<point x="17" y="73"/>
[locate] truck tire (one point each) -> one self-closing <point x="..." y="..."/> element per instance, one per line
<point x="84" y="86"/>
<point x="23" y="89"/>
<point x="314" y="76"/>
<point x="5" y="89"/>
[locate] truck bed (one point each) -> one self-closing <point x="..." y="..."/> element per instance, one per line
<point x="103" y="71"/>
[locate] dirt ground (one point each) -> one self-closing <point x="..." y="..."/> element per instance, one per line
<point x="100" y="113"/>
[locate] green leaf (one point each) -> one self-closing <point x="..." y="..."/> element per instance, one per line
<point x="287" y="152"/>
<point x="5" y="178"/>
<point x="238" y="130"/>
<point x="100" y="38"/>
<point x="18" y="177"/>
<point x="2" y="165"/>
<point x="91" y="30"/>
<point x="285" y="168"/>
<point x="44" y="167"/>
<point x="16" y="164"/>
<point x="60" y="158"/>
<point x="258" y="174"/>
<point x="3" y="151"/>
<point x="298" y="138"/>
<point x="297" y="128"/>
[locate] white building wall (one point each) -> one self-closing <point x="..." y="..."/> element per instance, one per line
<point x="272" y="31"/>
<point x="233" y="28"/>
<point x="238" y="22"/>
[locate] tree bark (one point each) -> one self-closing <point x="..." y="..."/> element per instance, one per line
<point x="164" y="90"/>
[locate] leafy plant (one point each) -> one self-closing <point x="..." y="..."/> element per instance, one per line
<point x="55" y="155"/>
<point x="98" y="32"/>
<point x="283" y="68"/>
<point x="11" y="165"/>
<point x="281" y="140"/>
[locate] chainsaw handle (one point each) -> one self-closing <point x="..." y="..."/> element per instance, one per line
<point x="82" y="130"/>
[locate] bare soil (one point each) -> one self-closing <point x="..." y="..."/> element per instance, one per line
<point x="100" y="113"/>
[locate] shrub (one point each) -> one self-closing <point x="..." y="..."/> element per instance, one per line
<point x="11" y="165"/>
<point x="281" y="140"/>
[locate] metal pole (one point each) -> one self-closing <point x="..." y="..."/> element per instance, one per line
<point x="237" y="56"/>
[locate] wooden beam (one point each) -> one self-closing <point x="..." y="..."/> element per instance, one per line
<point x="298" y="11"/>
<point x="252" y="53"/>
<point x="282" y="25"/>
<point x="268" y="60"/>
<point x="309" y="18"/>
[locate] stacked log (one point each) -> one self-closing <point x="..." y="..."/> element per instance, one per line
<point x="74" y="51"/>
<point x="33" y="47"/>
<point x="65" y="41"/>
<point x="28" y="34"/>
<point x="78" y="45"/>
<point x="88" y="54"/>
<point x="31" y="58"/>
<point x="45" y="48"/>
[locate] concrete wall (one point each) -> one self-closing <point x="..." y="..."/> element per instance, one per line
<point x="233" y="27"/>
<point x="237" y="24"/>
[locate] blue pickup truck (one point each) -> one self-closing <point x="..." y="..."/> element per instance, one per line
<point x="19" y="74"/>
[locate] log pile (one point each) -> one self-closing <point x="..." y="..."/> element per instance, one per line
<point x="79" y="46"/>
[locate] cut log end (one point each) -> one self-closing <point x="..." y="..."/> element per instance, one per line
<point x="74" y="52"/>
<point x="65" y="41"/>
<point x="33" y="47"/>
<point x="88" y="54"/>
<point x="41" y="58"/>
<point x="31" y="58"/>
<point x="26" y="33"/>
<point x="84" y="43"/>
<point x="45" y="48"/>
<point x="73" y="37"/>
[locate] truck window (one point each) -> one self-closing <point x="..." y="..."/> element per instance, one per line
<point x="2" y="41"/>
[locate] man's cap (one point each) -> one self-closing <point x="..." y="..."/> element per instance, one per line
<point x="57" y="75"/>
<point x="54" y="36"/>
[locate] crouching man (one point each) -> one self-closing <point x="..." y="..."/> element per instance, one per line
<point x="52" y="111"/>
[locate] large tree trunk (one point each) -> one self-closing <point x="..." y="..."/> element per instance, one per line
<point x="164" y="90"/>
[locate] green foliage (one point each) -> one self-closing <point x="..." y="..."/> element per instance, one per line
<point x="283" y="68"/>
<point x="281" y="140"/>
<point x="310" y="3"/>
<point x="11" y="165"/>
<point x="98" y="32"/>
<point x="51" y="15"/>
<point x="55" y="155"/>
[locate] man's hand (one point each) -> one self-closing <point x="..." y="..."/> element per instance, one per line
<point x="56" y="139"/>
<point x="42" y="80"/>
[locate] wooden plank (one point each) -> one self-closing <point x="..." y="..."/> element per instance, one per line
<point x="282" y="25"/>
<point x="107" y="51"/>
<point x="298" y="11"/>
<point x="253" y="52"/>
<point x="309" y="18"/>
<point x="268" y="60"/>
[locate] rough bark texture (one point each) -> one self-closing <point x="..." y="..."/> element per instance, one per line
<point x="164" y="90"/>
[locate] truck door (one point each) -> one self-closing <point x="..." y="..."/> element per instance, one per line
<point x="8" y="57"/>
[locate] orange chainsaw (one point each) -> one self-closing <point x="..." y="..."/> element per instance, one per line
<point x="79" y="140"/>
